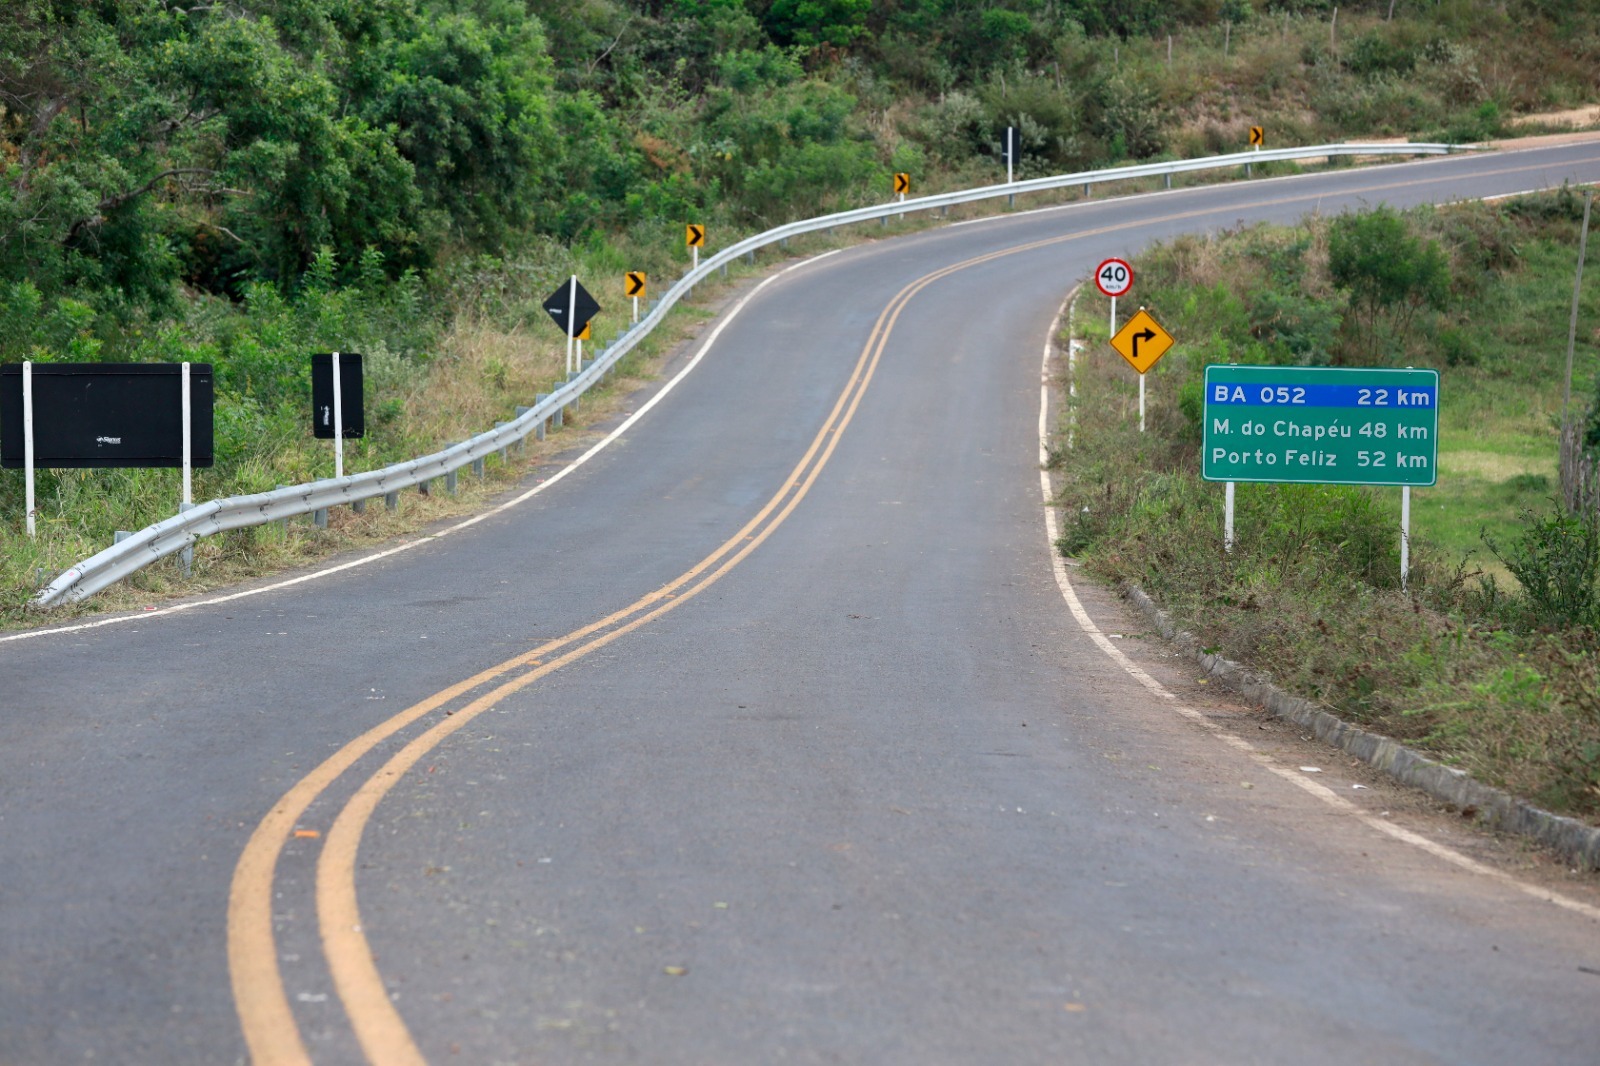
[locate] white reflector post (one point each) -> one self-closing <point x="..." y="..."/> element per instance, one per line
<point x="27" y="438"/>
<point x="338" y="421"/>
<point x="188" y="445"/>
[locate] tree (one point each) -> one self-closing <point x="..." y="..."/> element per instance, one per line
<point x="1386" y="270"/>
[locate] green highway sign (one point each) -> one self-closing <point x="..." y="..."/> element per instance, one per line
<point x="1321" y="425"/>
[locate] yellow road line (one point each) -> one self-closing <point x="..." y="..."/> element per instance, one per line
<point x="268" y="1024"/>
<point x="379" y="1028"/>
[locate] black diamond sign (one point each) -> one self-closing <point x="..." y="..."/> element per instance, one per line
<point x="560" y="301"/>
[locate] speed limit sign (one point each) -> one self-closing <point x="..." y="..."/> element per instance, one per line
<point x="1114" y="277"/>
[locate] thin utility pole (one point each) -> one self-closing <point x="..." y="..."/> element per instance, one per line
<point x="1572" y="324"/>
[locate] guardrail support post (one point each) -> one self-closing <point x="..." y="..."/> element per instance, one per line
<point x="522" y="441"/>
<point x="186" y="556"/>
<point x="450" y="482"/>
<point x="1088" y="190"/>
<point x="557" y="418"/>
<point x="282" y="523"/>
<point x="359" y="506"/>
<point x="425" y="487"/>
<point x="391" y="500"/>
<point x="750" y="257"/>
<point x="1247" y="170"/>
<point x="477" y="468"/>
<point x="783" y="242"/>
<point x="319" y="518"/>
<point x="1168" y="176"/>
<point x="123" y="534"/>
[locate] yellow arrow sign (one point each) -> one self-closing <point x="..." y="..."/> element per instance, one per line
<point x="695" y="236"/>
<point x="1258" y="136"/>
<point x="1142" y="341"/>
<point x="902" y="183"/>
<point x="636" y="283"/>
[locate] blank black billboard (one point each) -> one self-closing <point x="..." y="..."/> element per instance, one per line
<point x="107" y="414"/>
<point x="351" y="394"/>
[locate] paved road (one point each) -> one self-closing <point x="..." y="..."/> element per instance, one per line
<point x="767" y="735"/>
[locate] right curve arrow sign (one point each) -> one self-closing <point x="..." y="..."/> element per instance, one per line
<point x="1142" y="341"/>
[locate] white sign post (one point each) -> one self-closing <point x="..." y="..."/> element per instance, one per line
<point x="27" y="438"/>
<point x="338" y="421"/>
<point x="188" y="444"/>
<point x="572" y="313"/>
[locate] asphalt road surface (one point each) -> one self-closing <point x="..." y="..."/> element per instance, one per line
<point x="768" y="734"/>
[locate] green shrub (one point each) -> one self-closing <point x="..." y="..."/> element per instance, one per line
<point x="1557" y="561"/>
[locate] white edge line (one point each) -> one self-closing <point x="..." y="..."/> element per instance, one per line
<point x="429" y="538"/>
<point x="1321" y="792"/>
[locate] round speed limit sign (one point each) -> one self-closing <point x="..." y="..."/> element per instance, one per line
<point x="1114" y="277"/>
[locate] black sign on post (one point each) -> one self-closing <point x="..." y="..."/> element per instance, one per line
<point x="107" y="415"/>
<point x="557" y="303"/>
<point x="352" y="406"/>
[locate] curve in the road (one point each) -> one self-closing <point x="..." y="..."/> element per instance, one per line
<point x="263" y="1005"/>
<point x="266" y="1018"/>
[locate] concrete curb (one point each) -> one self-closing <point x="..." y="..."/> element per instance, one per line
<point x="1495" y="807"/>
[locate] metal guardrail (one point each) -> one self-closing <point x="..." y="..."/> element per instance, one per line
<point x="170" y="535"/>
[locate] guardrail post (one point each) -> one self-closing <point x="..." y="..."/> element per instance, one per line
<point x="522" y="441"/>
<point x="123" y="534"/>
<point x="750" y="257"/>
<point x="282" y="523"/>
<point x="538" y="430"/>
<point x="359" y="506"/>
<point x="1088" y="190"/>
<point x="477" y="468"/>
<point x="391" y="500"/>
<point x="724" y="269"/>
<point x="186" y="556"/>
<point x="557" y="418"/>
<point x="1247" y="170"/>
<point x="1168" y="176"/>
<point x="319" y="518"/>
<point x="425" y="487"/>
<point x="450" y="482"/>
<point x="505" y="453"/>
<point x="783" y="242"/>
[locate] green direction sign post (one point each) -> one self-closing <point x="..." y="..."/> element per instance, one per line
<point x="1321" y="425"/>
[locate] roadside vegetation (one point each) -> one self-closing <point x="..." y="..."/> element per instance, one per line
<point x="1491" y="657"/>
<point x="245" y="184"/>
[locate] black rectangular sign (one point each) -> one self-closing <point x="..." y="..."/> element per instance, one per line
<point x="351" y="396"/>
<point x="107" y="415"/>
